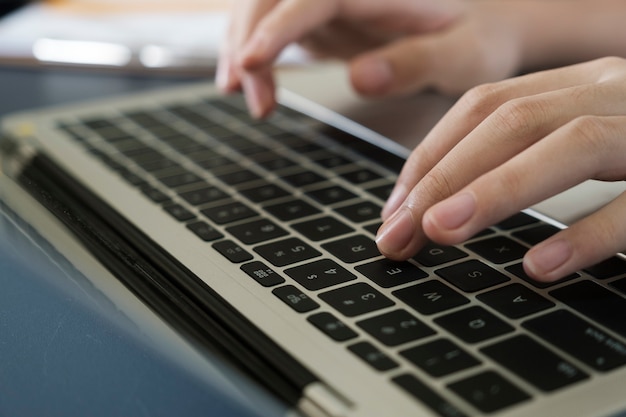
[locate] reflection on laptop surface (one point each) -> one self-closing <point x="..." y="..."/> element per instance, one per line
<point x="255" y="240"/>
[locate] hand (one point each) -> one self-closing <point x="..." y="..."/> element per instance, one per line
<point x="393" y="47"/>
<point x="508" y="145"/>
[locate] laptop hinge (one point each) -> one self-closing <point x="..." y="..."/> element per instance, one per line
<point x="320" y="400"/>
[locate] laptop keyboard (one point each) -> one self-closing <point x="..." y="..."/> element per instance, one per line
<point x="296" y="205"/>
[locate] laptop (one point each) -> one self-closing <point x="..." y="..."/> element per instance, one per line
<point x="255" y="240"/>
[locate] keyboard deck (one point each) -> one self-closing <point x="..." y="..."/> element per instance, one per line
<point x="297" y="210"/>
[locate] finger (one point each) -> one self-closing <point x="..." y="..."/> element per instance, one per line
<point x="259" y="91"/>
<point x="244" y="16"/>
<point x="585" y="243"/>
<point x="471" y="110"/>
<point x="588" y="147"/>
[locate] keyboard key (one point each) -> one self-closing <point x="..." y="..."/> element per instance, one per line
<point x="360" y="212"/>
<point x="332" y="327"/>
<point x="609" y="268"/>
<point x="395" y="328"/>
<point x="292" y="210"/>
<point x="256" y="231"/>
<point x="498" y="250"/>
<point x="204" y="231"/>
<point x="322" y="228"/>
<point x="474" y="324"/>
<point x="320" y="274"/>
<point x="619" y="285"/>
<point x="489" y="392"/>
<point x="427" y="396"/>
<point x="536" y="234"/>
<point x="276" y="163"/>
<point x="595" y="302"/>
<point x="332" y="161"/>
<point x="180" y="179"/>
<point x="262" y="274"/>
<point x="387" y="273"/>
<point x="203" y="195"/>
<point x="353" y="249"/>
<point x="264" y="192"/>
<point x="515" y="301"/>
<point x="434" y="255"/>
<point x="430" y="297"/>
<point x="229" y="213"/>
<point x="154" y="194"/>
<point x="517" y="220"/>
<point x="534" y="363"/>
<point x="302" y="179"/>
<point x="472" y="276"/>
<point x="373" y="356"/>
<point x="440" y="357"/>
<point x="179" y="212"/>
<point x="232" y="251"/>
<point x="296" y="299"/>
<point x="579" y="338"/>
<point x="382" y="191"/>
<point x="356" y="299"/>
<point x="286" y="252"/>
<point x="361" y="176"/>
<point x="331" y="195"/>
<point x="238" y="177"/>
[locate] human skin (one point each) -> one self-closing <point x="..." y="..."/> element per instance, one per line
<point x="505" y="145"/>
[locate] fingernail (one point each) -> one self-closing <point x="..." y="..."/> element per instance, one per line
<point x="452" y="213"/>
<point x="372" y="75"/>
<point x="396" y="233"/>
<point x="254" y="96"/>
<point x="543" y="260"/>
<point x="397" y="196"/>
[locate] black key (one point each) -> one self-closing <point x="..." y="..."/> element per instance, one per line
<point x="264" y="192"/>
<point x="179" y="212"/>
<point x="518" y="270"/>
<point x="276" y="163"/>
<point x="232" y="251"/>
<point x="373" y="228"/>
<point x="489" y="392"/>
<point x="286" y="252"/>
<point x="433" y="254"/>
<point x="322" y="228"/>
<point x="212" y="164"/>
<point x="262" y="274"/>
<point x="383" y="191"/>
<point x="619" y="285"/>
<point x="474" y="324"/>
<point x="131" y="177"/>
<point x="204" y="231"/>
<point x="430" y="297"/>
<point x="472" y="276"/>
<point x="159" y="165"/>
<point x="154" y="194"/>
<point x="498" y="250"/>
<point x="440" y="357"/>
<point x="296" y="299"/>
<point x="256" y="231"/>
<point x="333" y="161"/>
<point x="292" y="210"/>
<point x="203" y="195"/>
<point x="302" y="179"/>
<point x="238" y="177"/>
<point x="517" y="220"/>
<point x="320" y="274"/>
<point x="360" y="212"/>
<point x="427" y="396"/>
<point x="353" y="249"/>
<point x="356" y="299"/>
<point x="180" y="179"/>
<point x="229" y="213"/>
<point x="395" y="328"/>
<point x="534" y="363"/>
<point x="579" y="338"/>
<point x="361" y="176"/>
<point x="331" y="195"/>
<point x="388" y="273"/>
<point x="373" y="356"/>
<point x="595" y="302"/>
<point x="536" y="234"/>
<point x="609" y="268"/>
<point x="515" y="301"/>
<point x="332" y="327"/>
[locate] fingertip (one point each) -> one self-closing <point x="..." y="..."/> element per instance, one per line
<point x="259" y="94"/>
<point x="548" y="261"/>
<point x="371" y="75"/>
